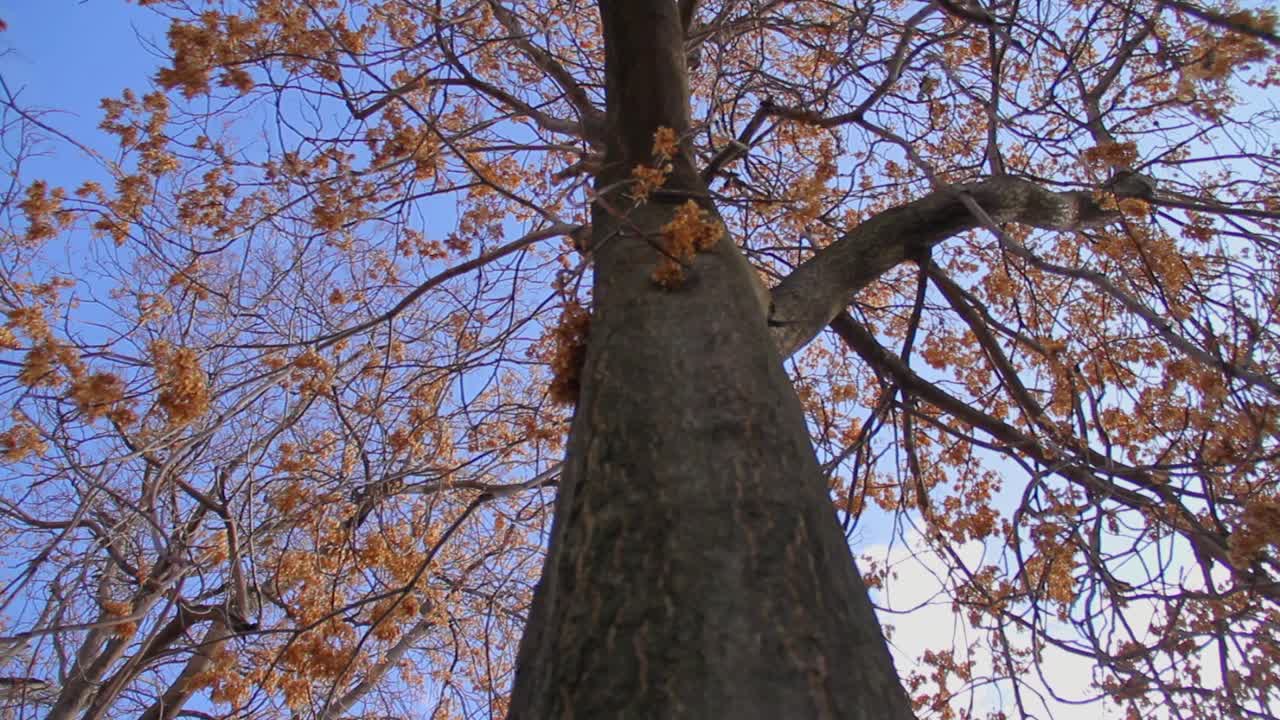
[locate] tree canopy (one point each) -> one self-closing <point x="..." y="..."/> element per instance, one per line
<point x="288" y="375"/>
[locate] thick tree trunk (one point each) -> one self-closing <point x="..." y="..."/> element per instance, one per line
<point x="696" y="569"/>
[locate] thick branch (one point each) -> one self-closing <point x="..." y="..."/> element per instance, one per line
<point x="160" y="643"/>
<point x="811" y="296"/>
<point x="687" y="10"/>
<point x="387" y="662"/>
<point x="171" y="702"/>
<point x="647" y="87"/>
<point x="1235" y="23"/>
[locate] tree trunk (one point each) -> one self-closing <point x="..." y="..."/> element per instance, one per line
<point x="696" y="568"/>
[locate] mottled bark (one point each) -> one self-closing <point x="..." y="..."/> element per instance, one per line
<point x="696" y="569"/>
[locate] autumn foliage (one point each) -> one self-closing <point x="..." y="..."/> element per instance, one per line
<point x="281" y="441"/>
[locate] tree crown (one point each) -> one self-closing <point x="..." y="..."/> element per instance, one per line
<point x="285" y="421"/>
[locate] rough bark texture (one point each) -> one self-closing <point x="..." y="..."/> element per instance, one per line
<point x="696" y="569"/>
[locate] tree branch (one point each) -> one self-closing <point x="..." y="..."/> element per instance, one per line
<point x="812" y="295"/>
<point x="687" y="10"/>
<point x="1235" y="23"/>
<point x="591" y="116"/>
<point x="1081" y="465"/>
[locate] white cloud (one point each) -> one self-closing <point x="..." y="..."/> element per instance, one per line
<point x="918" y="607"/>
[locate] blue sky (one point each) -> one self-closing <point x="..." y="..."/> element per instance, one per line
<point x="66" y="55"/>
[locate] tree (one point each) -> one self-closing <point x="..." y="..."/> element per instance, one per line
<point x="285" y="435"/>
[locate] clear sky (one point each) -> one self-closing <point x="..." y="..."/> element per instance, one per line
<point x="66" y="55"/>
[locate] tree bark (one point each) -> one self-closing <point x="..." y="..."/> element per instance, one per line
<point x="696" y="568"/>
